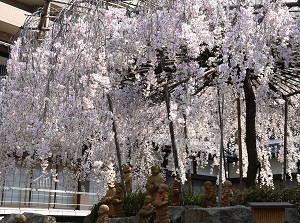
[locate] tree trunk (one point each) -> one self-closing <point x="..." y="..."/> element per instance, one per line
<point x="253" y="163"/>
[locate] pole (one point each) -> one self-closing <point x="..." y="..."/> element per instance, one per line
<point x="189" y="176"/>
<point x="240" y="141"/>
<point x="43" y="23"/>
<point x="285" y="140"/>
<point x="220" y="106"/>
<point x="171" y="127"/>
<point x="117" y="145"/>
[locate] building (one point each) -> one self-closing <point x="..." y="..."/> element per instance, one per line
<point x="12" y="17"/>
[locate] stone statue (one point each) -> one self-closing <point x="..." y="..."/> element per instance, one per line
<point x="210" y="194"/>
<point x="161" y="204"/>
<point x="175" y="193"/>
<point x="146" y="211"/>
<point x="128" y="179"/>
<point x="154" y="181"/>
<point x="19" y="218"/>
<point x="110" y="193"/>
<point x="103" y="214"/>
<point x="118" y="201"/>
<point x="226" y="193"/>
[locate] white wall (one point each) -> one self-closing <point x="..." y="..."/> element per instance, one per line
<point x="208" y="170"/>
<point x="232" y="170"/>
<point x="3" y="60"/>
<point x="276" y="166"/>
<point x="12" y="15"/>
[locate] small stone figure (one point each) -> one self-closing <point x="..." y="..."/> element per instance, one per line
<point x="161" y="204"/>
<point x="147" y="210"/>
<point x="118" y="201"/>
<point x="175" y="193"/>
<point x="226" y="193"/>
<point x="110" y="193"/>
<point x="103" y="214"/>
<point x="210" y="194"/>
<point x="128" y="179"/>
<point x="154" y="181"/>
<point x="19" y="218"/>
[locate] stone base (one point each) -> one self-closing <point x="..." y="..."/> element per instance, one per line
<point x="218" y="215"/>
<point x="186" y="214"/>
<point x="196" y="214"/>
<point x="30" y="218"/>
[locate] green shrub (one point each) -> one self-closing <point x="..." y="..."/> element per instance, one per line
<point x="267" y="194"/>
<point x="291" y="195"/>
<point x="133" y="203"/>
<point x="260" y="194"/>
<point x="92" y="217"/>
<point x="194" y="199"/>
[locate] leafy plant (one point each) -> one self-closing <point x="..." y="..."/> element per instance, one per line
<point x="194" y="199"/>
<point x="133" y="203"/>
<point x="92" y="217"/>
<point x="291" y="195"/>
<point x="267" y="194"/>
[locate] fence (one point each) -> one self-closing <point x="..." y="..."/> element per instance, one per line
<point x="3" y="71"/>
<point x="45" y="198"/>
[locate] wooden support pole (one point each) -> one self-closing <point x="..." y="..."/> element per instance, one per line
<point x="175" y="154"/>
<point x="285" y="140"/>
<point x="117" y="145"/>
<point x="257" y="6"/>
<point x="220" y="107"/>
<point x="224" y="163"/>
<point x="189" y="175"/>
<point x="240" y="142"/>
<point x="44" y="20"/>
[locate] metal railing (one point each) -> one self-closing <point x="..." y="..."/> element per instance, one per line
<point x="45" y="198"/>
<point x="3" y="71"/>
